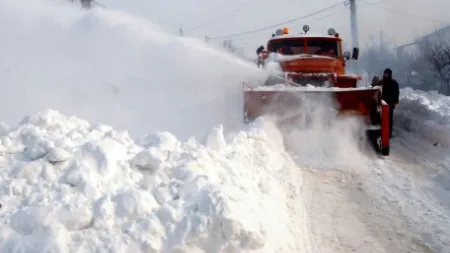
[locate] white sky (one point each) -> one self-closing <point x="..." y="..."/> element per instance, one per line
<point x="224" y="17"/>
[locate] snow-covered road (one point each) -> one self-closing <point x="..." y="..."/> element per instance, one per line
<point x="400" y="203"/>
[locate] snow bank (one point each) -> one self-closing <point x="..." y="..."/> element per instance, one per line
<point x="107" y="66"/>
<point x="425" y="113"/>
<point x="69" y="186"/>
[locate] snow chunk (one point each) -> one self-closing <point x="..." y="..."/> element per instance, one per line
<point x="164" y="140"/>
<point x="150" y="159"/>
<point x="215" y="140"/>
<point x="37" y="148"/>
<point x="102" y="155"/>
<point x="134" y="204"/>
<point x="56" y="155"/>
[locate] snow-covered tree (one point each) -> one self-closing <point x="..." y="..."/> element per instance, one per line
<point x="426" y="66"/>
<point x="437" y="53"/>
<point x="87" y="4"/>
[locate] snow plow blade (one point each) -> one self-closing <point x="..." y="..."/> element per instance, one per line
<point x="286" y="104"/>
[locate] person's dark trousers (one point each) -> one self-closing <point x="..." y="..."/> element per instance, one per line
<point x="391" y="119"/>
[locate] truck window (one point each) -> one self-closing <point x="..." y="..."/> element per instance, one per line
<point x="323" y="47"/>
<point x="288" y="47"/>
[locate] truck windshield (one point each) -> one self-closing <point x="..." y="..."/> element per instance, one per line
<point x="324" y="47"/>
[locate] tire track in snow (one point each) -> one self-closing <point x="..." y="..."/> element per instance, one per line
<point x="333" y="215"/>
<point x="422" y="168"/>
<point x="402" y="181"/>
<point x="346" y="212"/>
<point x="382" y="216"/>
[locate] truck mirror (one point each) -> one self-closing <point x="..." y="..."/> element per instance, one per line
<point x="355" y="53"/>
<point x="347" y="55"/>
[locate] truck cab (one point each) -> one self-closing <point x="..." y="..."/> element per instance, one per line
<point x="313" y="59"/>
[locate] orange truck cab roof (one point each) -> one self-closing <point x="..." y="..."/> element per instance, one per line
<point x="306" y="44"/>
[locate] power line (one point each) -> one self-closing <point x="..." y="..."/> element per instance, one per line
<point x="276" y="25"/>
<point x="321" y="18"/>
<point x="380" y="1"/>
<point x="213" y="11"/>
<point x="237" y="8"/>
<point x="294" y="27"/>
<point x="403" y="13"/>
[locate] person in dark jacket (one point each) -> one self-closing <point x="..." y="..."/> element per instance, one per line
<point x="259" y="50"/>
<point x="260" y="61"/>
<point x="390" y="94"/>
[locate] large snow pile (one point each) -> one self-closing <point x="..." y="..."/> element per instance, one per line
<point x="69" y="186"/>
<point x="107" y="66"/>
<point x="425" y="113"/>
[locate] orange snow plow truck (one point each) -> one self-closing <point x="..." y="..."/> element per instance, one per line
<point x="309" y="66"/>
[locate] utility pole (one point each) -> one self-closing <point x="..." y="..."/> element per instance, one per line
<point x="353" y="66"/>
<point x="353" y="23"/>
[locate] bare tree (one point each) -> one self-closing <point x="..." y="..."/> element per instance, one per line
<point x="426" y="67"/>
<point x="380" y="55"/>
<point x="438" y="55"/>
<point x="87" y="4"/>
